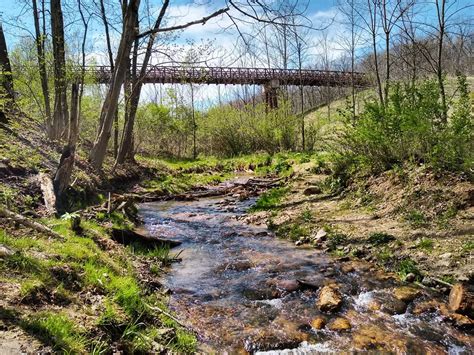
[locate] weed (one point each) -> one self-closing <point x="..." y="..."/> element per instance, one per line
<point x="426" y="244"/>
<point x="307" y="216"/>
<point x="384" y="256"/>
<point x="379" y="238"/>
<point x="416" y="218"/>
<point x="408" y="266"/>
<point x="468" y="246"/>
<point x="335" y="240"/>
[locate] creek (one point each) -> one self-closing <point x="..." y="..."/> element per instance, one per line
<point x="242" y="290"/>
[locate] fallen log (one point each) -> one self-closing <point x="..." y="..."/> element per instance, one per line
<point x="46" y="184"/>
<point x="41" y="228"/>
<point x="461" y="299"/>
<point x="127" y="237"/>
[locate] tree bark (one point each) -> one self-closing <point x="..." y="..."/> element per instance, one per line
<point x="126" y="145"/>
<point x="98" y="152"/>
<point x="40" y="40"/>
<point x="111" y="62"/>
<point x="6" y="78"/>
<point x="441" y="11"/>
<point x="60" y="115"/>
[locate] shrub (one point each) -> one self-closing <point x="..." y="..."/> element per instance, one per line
<point x="410" y="128"/>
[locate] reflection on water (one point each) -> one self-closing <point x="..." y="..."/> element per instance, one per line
<point x="238" y="288"/>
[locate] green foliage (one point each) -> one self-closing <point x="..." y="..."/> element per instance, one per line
<point x="408" y="266"/>
<point x="307" y="216"/>
<point x="468" y="246"/>
<point x="380" y="238"/>
<point x="410" y="128"/>
<point x="270" y="199"/>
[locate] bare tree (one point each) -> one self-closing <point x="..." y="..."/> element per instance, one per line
<point x="98" y="151"/>
<point x="64" y="171"/>
<point x="390" y="13"/>
<point x="60" y="115"/>
<point x="40" y="38"/>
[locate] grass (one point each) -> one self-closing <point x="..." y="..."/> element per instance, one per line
<point x="45" y="267"/>
<point x="380" y="238"/>
<point x="426" y="244"/>
<point x="57" y="330"/>
<point x="270" y="200"/>
<point x="416" y="218"/>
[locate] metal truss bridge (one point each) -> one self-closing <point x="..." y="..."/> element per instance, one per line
<point x="271" y="79"/>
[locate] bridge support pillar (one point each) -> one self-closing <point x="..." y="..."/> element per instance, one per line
<point x="271" y="94"/>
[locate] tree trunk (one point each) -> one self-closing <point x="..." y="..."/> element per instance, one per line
<point x="6" y="78"/>
<point x="98" y="152"/>
<point x="439" y="72"/>
<point x="111" y="62"/>
<point x="40" y="39"/>
<point x="60" y="115"/>
<point x="126" y="145"/>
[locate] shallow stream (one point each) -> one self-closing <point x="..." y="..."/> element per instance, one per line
<point x="243" y="290"/>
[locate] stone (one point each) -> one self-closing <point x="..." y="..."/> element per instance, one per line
<point x="312" y="190"/>
<point x="428" y="281"/>
<point x="330" y="299"/>
<point x="347" y="268"/>
<point x="5" y="251"/>
<point x="406" y="293"/>
<point x="340" y="324"/>
<point x="320" y="236"/>
<point x="288" y="285"/>
<point x="318" y="323"/>
<point x="410" y="277"/>
<point x="372" y="338"/>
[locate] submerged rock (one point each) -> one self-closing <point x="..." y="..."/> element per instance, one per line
<point x="318" y="323"/>
<point x="406" y="293"/>
<point x="330" y="299"/>
<point x="340" y="324"/>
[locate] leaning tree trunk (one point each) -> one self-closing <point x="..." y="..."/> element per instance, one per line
<point x="126" y="145"/>
<point x="99" y="150"/>
<point x="60" y="115"/>
<point x="6" y="79"/>
<point x="66" y="165"/>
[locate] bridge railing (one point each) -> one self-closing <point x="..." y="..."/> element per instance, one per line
<point x="257" y="76"/>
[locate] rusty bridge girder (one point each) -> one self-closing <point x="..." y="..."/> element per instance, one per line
<point x="240" y="76"/>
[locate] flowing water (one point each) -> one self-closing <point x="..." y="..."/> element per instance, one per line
<point x="236" y="288"/>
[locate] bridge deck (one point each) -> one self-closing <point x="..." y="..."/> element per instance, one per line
<point x="240" y="76"/>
